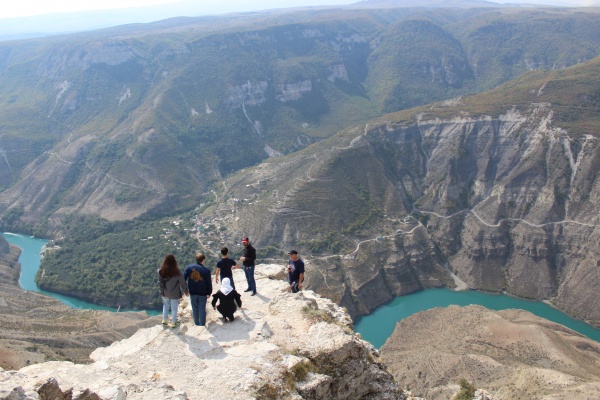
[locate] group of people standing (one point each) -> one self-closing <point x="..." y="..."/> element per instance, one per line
<point x="225" y="266"/>
<point x="196" y="283"/>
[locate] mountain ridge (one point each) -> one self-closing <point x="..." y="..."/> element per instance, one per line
<point x="522" y="154"/>
<point x="111" y="107"/>
<point x="461" y="190"/>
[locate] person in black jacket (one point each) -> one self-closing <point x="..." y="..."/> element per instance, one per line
<point x="248" y="260"/>
<point x="227" y="297"/>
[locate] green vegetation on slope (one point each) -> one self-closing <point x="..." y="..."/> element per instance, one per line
<point x="168" y="113"/>
<point x="209" y="97"/>
<point x="115" y="263"/>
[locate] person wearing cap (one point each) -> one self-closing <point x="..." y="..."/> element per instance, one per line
<point x="248" y="261"/>
<point x="295" y="272"/>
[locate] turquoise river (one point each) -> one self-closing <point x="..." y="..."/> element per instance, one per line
<point x="375" y="328"/>
<point x="379" y="325"/>
<point x="30" y="259"/>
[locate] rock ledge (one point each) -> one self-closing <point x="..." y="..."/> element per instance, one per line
<point x="281" y="345"/>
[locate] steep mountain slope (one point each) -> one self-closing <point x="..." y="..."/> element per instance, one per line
<point x="498" y="188"/>
<point x="141" y="120"/>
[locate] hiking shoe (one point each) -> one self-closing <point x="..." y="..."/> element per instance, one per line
<point x="173" y="324"/>
<point x="165" y="323"/>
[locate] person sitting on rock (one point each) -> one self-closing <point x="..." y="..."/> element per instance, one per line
<point x="227" y="298"/>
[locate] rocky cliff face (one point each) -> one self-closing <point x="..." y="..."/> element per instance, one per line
<point x="502" y="203"/>
<point x="281" y="345"/>
<point x="511" y="353"/>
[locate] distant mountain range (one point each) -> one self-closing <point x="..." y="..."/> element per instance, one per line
<point x="62" y="23"/>
<point x="430" y="4"/>
<point x="141" y="119"/>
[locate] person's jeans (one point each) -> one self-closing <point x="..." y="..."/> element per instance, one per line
<point x="172" y="304"/>
<point x="198" y="308"/>
<point x="249" y="271"/>
<point x="294" y="287"/>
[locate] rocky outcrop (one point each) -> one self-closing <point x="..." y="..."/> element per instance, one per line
<point x="249" y="93"/>
<point x="281" y="345"/>
<point x="293" y="91"/>
<point x="510" y="353"/>
<point x="338" y="72"/>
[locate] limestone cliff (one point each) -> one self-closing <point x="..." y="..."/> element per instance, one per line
<point x="504" y="200"/>
<point x="120" y="130"/>
<point x="281" y="345"/>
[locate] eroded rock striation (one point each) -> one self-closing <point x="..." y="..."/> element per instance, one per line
<point x="501" y="202"/>
<point x="281" y="345"/>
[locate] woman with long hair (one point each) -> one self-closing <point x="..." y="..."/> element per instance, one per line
<point x="172" y="287"/>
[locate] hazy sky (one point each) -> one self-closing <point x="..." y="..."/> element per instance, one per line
<point x="19" y="8"/>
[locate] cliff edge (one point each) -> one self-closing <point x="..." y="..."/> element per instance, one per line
<point x="281" y="345"/>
